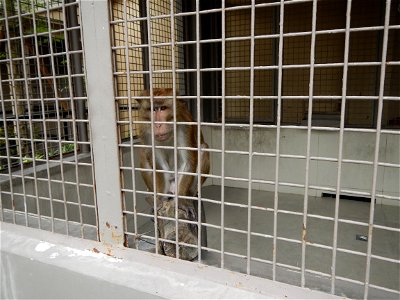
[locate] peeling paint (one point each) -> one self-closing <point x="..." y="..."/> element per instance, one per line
<point x="239" y="285"/>
<point x="116" y="236"/>
<point x="111" y="237"/>
<point x="43" y="246"/>
<point x="91" y="253"/>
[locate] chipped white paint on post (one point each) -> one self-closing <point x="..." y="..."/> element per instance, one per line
<point x="102" y="115"/>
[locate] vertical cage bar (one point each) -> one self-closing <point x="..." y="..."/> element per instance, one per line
<point x="56" y="96"/>
<point x="172" y="19"/>
<point x="8" y="152"/>
<point x="249" y="195"/>
<point x="76" y="92"/>
<point x="153" y="147"/>
<point x="29" y="111"/>
<point x="41" y="93"/>
<point x="340" y="150"/>
<point x="377" y="144"/>
<point x="102" y="117"/>
<point x="144" y="35"/>
<point x="309" y="125"/>
<point x="93" y="182"/>
<point x="379" y="42"/>
<point x="198" y="113"/>
<point x="198" y="119"/>
<point x="77" y="68"/>
<point x="73" y="115"/>
<point x="278" y="137"/>
<point x="223" y="45"/>
<point x="131" y="137"/>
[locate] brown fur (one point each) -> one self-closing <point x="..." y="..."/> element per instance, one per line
<point x="188" y="162"/>
<point x="182" y="115"/>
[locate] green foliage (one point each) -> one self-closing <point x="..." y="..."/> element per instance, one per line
<point x="67" y="148"/>
<point x="26" y="6"/>
<point x="27" y="159"/>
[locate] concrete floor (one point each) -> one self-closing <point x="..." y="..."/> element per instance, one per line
<point x="384" y="243"/>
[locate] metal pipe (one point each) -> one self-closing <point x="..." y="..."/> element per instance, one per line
<point x="145" y="40"/>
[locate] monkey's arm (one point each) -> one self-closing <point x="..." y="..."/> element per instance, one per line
<point x="205" y="161"/>
<point x="184" y="181"/>
<point x="187" y="184"/>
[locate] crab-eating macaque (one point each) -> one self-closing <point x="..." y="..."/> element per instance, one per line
<point x="186" y="136"/>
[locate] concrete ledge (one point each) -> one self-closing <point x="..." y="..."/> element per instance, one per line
<point x="39" y="264"/>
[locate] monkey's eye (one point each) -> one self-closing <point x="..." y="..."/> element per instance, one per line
<point x="163" y="108"/>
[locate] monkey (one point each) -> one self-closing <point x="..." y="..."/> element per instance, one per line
<point x="186" y="136"/>
<point x="164" y="136"/>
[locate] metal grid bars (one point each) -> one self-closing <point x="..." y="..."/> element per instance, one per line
<point x="154" y="27"/>
<point x="46" y="171"/>
<point x="363" y="77"/>
<point x="129" y="30"/>
<point x="299" y="103"/>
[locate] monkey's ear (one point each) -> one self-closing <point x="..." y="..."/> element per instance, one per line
<point x="145" y="93"/>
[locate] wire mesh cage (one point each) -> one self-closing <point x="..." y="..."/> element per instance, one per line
<point x="282" y="115"/>
<point x="269" y="83"/>
<point x="45" y="182"/>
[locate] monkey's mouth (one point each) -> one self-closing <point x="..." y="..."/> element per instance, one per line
<point x="162" y="137"/>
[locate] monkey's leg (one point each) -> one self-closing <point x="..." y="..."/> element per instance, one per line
<point x="205" y="169"/>
<point x="203" y="220"/>
<point x="191" y="209"/>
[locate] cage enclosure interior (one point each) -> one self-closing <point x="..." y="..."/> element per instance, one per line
<point x="260" y="137"/>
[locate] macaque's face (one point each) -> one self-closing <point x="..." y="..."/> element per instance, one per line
<point x="162" y="112"/>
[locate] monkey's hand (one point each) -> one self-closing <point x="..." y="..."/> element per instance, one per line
<point x="190" y="211"/>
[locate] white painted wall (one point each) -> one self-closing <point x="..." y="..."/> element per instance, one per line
<point x="355" y="177"/>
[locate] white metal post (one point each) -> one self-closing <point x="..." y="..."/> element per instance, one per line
<point x="102" y="115"/>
